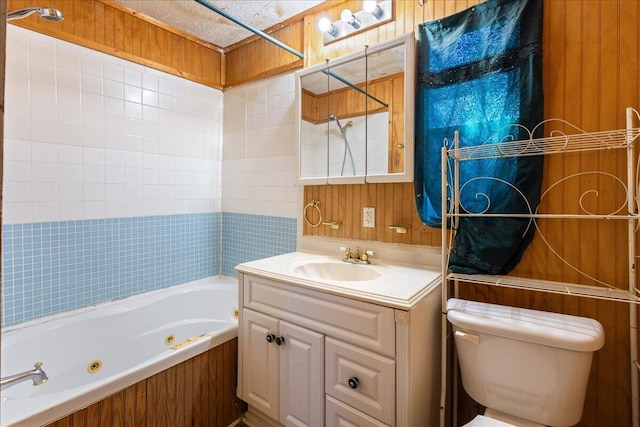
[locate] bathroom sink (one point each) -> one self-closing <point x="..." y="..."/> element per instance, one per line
<point x="335" y="271"/>
<point x="399" y="285"/>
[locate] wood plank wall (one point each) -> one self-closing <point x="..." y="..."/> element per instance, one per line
<point x="198" y="392"/>
<point x="266" y="58"/>
<point x="591" y="67"/>
<point x="110" y="28"/>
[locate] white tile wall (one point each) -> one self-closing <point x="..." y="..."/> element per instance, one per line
<point x="259" y="170"/>
<point x="89" y="136"/>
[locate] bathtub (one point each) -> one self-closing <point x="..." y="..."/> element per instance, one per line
<point x="94" y="352"/>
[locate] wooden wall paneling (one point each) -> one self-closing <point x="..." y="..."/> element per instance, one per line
<point x="602" y="54"/>
<point x="352" y="213"/>
<point x="213" y="371"/>
<point x="93" y="415"/>
<point x="267" y="59"/>
<point x="342" y="206"/>
<point x="99" y="24"/>
<point x="334" y="211"/>
<point x="79" y="419"/>
<point x="394" y="197"/>
<point x="629" y="70"/>
<point x="323" y="197"/>
<point x="234" y="71"/>
<point x="403" y="206"/>
<point x="218" y="369"/>
<point x="357" y="231"/>
<point x="200" y="386"/>
<point x="385" y="207"/>
<point x="104" y="412"/>
<point x="162" y="389"/>
<point x="179" y="397"/>
<point x="591" y="239"/>
<point x="116" y="22"/>
<point x="309" y="107"/>
<point x="110" y="28"/>
<point x="394" y="204"/>
<point x="226" y="381"/>
<point x="128" y="34"/>
<point x="117" y="409"/>
<point x="569" y="241"/>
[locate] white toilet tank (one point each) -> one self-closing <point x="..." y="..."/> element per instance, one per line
<point x="525" y="363"/>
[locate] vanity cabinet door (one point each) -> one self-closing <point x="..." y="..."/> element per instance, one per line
<point x="260" y="362"/>
<point x="301" y="376"/>
<point x="283" y="370"/>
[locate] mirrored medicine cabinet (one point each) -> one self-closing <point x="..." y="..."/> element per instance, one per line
<point x="355" y="116"/>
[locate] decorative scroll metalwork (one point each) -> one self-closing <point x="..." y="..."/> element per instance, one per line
<point x="504" y="145"/>
<point x="558" y="142"/>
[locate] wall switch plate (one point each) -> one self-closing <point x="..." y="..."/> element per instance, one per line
<point x="369" y="217"/>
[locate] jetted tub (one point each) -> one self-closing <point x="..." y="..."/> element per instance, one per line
<point x="94" y="352"/>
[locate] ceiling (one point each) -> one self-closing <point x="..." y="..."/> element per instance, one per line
<point x="195" y="19"/>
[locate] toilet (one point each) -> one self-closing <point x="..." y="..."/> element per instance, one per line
<point x="529" y="368"/>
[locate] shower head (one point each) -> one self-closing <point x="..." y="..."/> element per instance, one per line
<point x="50" y="14"/>
<point x="334" y="118"/>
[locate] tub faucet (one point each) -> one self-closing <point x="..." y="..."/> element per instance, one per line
<point x="37" y="375"/>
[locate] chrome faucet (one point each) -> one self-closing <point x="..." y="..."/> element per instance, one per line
<point x="37" y="375"/>
<point x="357" y="257"/>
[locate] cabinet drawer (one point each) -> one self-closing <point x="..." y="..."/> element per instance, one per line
<point x="341" y="414"/>
<point x="372" y="378"/>
<point x="364" y="324"/>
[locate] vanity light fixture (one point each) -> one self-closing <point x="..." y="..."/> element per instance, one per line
<point x="373" y="13"/>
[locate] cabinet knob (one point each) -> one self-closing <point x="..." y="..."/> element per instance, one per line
<point x="270" y="337"/>
<point x="279" y="340"/>
<point x="353" y="382"/>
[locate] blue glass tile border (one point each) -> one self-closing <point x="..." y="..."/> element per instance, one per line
<point x="249" y="237"/>
<point x="59" y="266"/>
<point x="54" y="267"/>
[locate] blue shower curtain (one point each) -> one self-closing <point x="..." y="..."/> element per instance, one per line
<point x="479" y="71"/>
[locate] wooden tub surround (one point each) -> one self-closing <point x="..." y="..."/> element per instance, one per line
<point x="198" y="392"/>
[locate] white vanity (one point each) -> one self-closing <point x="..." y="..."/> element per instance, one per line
<point x="324" y="342"/>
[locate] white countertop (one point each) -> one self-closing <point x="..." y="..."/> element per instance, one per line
<point x="397" y="286"/>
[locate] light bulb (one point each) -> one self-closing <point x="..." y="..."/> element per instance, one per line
<point x="327" y="27"/>
<point x="373" y="8"/>
<point x="324" y="24"/>
<point x="348" y="17"/>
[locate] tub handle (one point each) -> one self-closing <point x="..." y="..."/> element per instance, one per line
<point x="271" y="337"/>
<point x="279" y="340"/>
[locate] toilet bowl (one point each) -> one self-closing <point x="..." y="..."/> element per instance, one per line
<point x="529" y="368"/>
